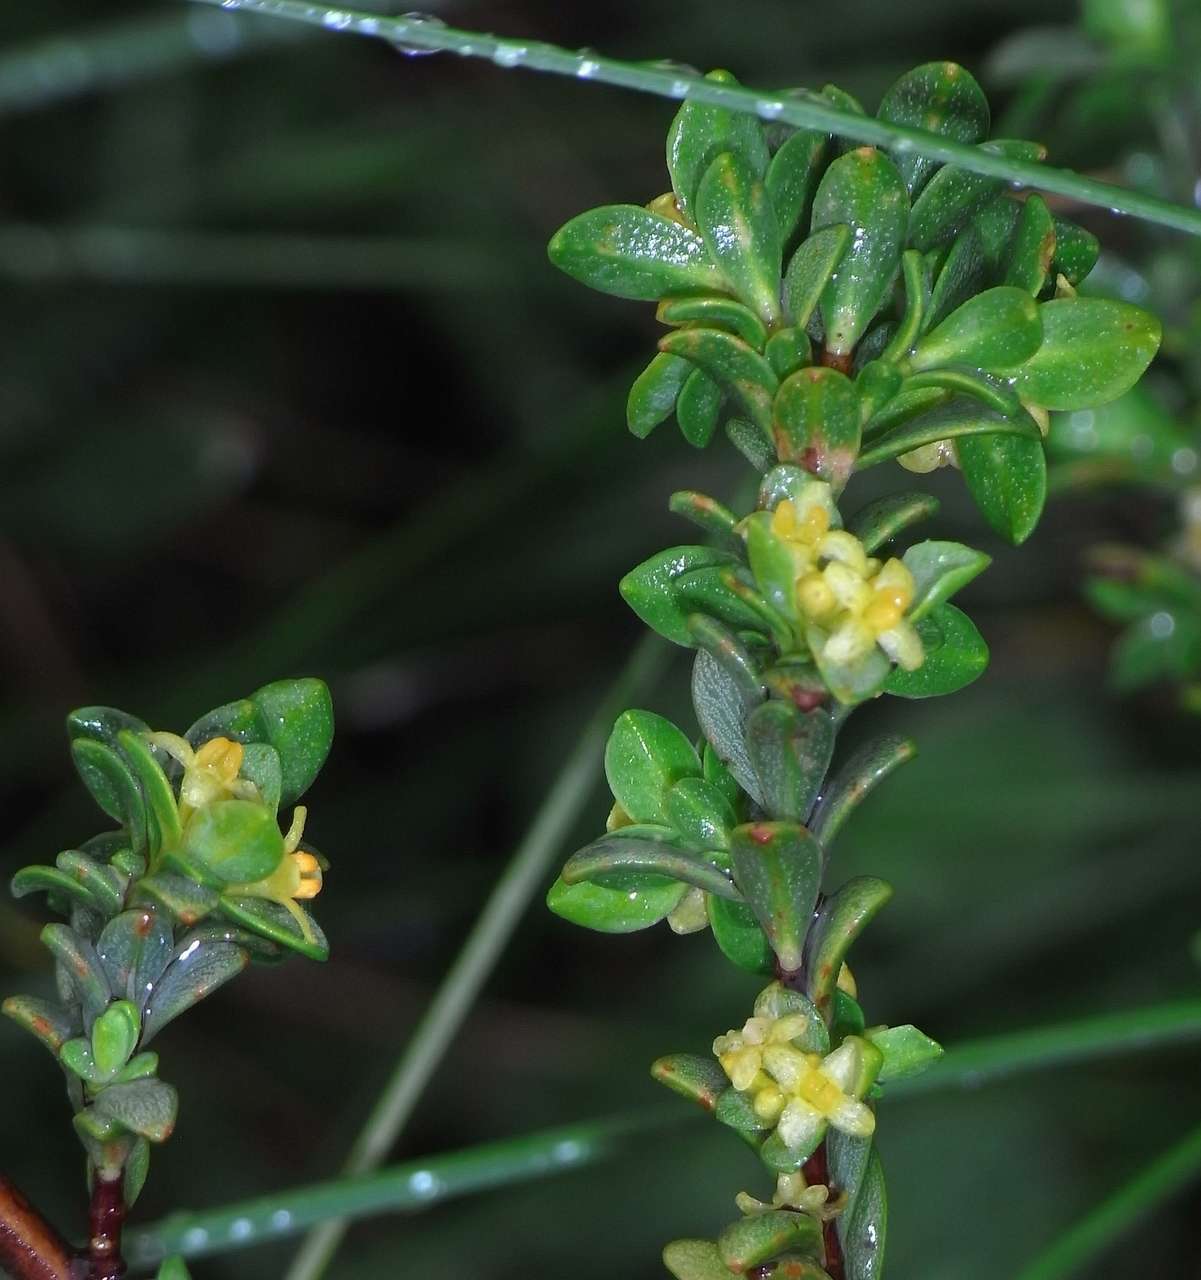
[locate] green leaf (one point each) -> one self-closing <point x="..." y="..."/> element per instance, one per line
<point x="649" y="589"/>
<point x="298" y="721"/>
<point x="955" y="655"/>
<point x="276" y="923"/>
<point x="962" y="275"/>
<point x="81" y="968"/>
<point x="991" y="390"/>
<point x="39" y="879"/>
<point x="737" y="934"/>
<point x="862" y="190"/>
<point x="777" y="867"/>
<point x="792" y="178"/>
<point x="941" y="98"/>
<point x="619" y="858"/>
<point x="50" y="1023"/>
<point x="707" y="514"/>
<point x="237" y="841"/>
<point x="105" y="885"/>
<point x="788" y="351"/>
<point x="156" y="790"/>
<point x="863" y="1224"/>
<point x="956" y="420"/>
<point x="262" y="766"/>
<point x="759" y="1238"/>
<point x="694" y="1260"/>
<point x="1032" y="249"/>
<point x="616" y="911"/>
<point x="816" y="423"/>
<point x="1007" y="478"/>
<point x="627" y="251"/>
<point x="783" y="1159"/>
<point x="939" y="570"/>
<point x="881" y="521"/>
<point x="734" y="365"/>
<point x="842" y="918"/>
<point x="1093" y="350"/>
<point x="698" y="409"/>
<point x="137" y="1168"/>
<point x="1076" y="251"/>
<point x="810" y="270"/>
<point x="751" y="443"/>
<point x="918" y="290"/>
<point x="146" y="1107"/>
<point x="134" y="948"/>
<point x="723" y="593"/>
<point x="77" y="1057"/>
<point x="653" y="395"/>
<point x="855" y="780"/>
<point x="907" y="1051"/>
<point x="700" y="132"/>
<point x="772" y="564"/>
<point x="723" y="698"/>
<point x="197" y="970"/>
<point x="645" y="757"/>
<point x="954" y="195"/>
<point x="113" y="786"/>
<point x="849" y="682"/>
<point x="715" y="313"/>
<point x="997" y="329"/>
<point x="700" y="1080"/>
<point x="102" y="724"/>
<point x="737" y="220"/>
<point x="115" y="1036"/>
<point x="1150" y="651"/>
<point x="790" y="751"/>
<point x="737" y="1111"/>
<point x="700" y="812"/>
<point x="186" y="900"/>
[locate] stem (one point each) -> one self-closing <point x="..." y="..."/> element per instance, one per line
<point x="105" y="1220"/>
<point x="810" y="112"/>
<point x="521" y="880"/>
<point x="1114" y="1217"/>
<point x="817" y="1172"/>
<point x="30" y="1248"/>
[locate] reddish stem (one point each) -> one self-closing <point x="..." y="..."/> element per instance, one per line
<point x="30" y="1248"/>
<point x="842" y="362"/>
<point x="105" y="1220"/>
<point x="817" y="1171"/>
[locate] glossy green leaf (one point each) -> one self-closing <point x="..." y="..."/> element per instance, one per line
<point x="855" y="780"/>
<point x="1093" y="350"/>
<point x="783" y="1159"/>
<point x="777" y="866"/>
<point x="156" y="790"/>
<point x="141" y="1066"/>
<point x="653" y="395"/>
<point x="262" y="766"/>
<point x="694" y="1260"/>
<point x="842" y="918"/>
<point x="736" y="218"/>
<point x="962" y="275"/>
<point x="298" y="721"/>
<point x="863" y="1225"/>
<point x="992" y="391"/>
<point x="102" y="724"/>
<point x="715" y="313"/>
<point x="700" y="132"/>
<point x="276" y="923"/>
<point x="778" y="1001"/>
<point x="115" y="1036"/>
<point x="197" y="970"/>
<point x="907" y="1051"/>
<point x="939" y="97"/>
<point x="772" y="564"/>
<point x="881" y="521"/>
<point x="616" y="911"/>
<point x="50" y="1023"/>
<point x="627" y="251"/>
<point x="737" y="1111"/>
<point x="877" y="384"/>
<point x="750" y="441"/>
<point x="955" y="655"/>
<point x="1076" y="251"/>
<point x="624" y="855"/>
<point x="723" y="593"/>
<point x="146" y="1107"/>
<point x="816" y="423"/>
<point x="917" y="303"/>
<point x="1006" y="475"/>
<point x="80" y="966"/>
<point x="137" y="1168"/>
<point x="649" y="589"/>
<point x="700" y="1080"/>
<point x="939" y="570"/>
<point x="77" y="1057"/>
<point x="113" y="787"/>
<point x="759" y="1238"/>
<point x="994" y="226"/>
<point x="734" y="365"/>
<point x="788" y="351"/>
<point x="846" y="1017"/>
<point x="187" y="901"/>
<point x="738" y="935"/>
<point x="238" y="841"/>
<point x="792" y="178"/>
<point x="958" y="420"/>
<point x="793" y="483"/>
<point x="997" y="329"/>
<point x="1032" y="248"/>
<point x="844" y="102"/>
<point x="810" y="270"/>
<point x="722" y="703"/>
<point x="849" y="682"/>
<point x="645" y="757"/>
<point x="105" y="885"/>
<point x="790" y="751"/>
<point x="39" y="879"/>
<point x="864" y="191"/>
<point x="698" y="409"/>
<point x="953" y="195"/>
<point x="134" y="948"/>
<point x="700" y="812"/>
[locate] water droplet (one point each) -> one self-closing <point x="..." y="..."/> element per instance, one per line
<point x="587" y="69"/>
<point x="424" y="1184"/>
<point x="281" y="1220"/>
<point x="769" y="110"/>
<point x="509" y="55"/>
<point x="1184" y="461"/>
<point x="240" y="1228"/>
<point x="194" y="1238"/>
<point x="1162" y="625"/>
<point x="679" y="88"/>
<point x="416" y="50"/>
<point x="671" y="64"/>
<point x="337" y="19"/>
<point x="568" y="1151"/>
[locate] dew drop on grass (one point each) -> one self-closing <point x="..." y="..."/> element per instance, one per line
<point x="414" y="50"/>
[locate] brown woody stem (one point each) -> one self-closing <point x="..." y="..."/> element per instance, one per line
<point x="30" y="1248"/>
<point x="817" y="1171"/>
<point x="105" y="1220"/>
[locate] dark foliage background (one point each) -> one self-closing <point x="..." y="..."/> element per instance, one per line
<point x="287" y="386"/>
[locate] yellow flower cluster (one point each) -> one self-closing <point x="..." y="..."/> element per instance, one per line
<point x="857" y="600"/>
<point x="797" y="1092"/>
<point x="793" y="1192"/>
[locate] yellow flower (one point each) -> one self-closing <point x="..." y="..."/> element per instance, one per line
<point x="209" y="773"/>
<point x="793" y="1192"/>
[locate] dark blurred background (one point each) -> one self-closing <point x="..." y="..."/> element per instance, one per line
<point x="287" y="386"/>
